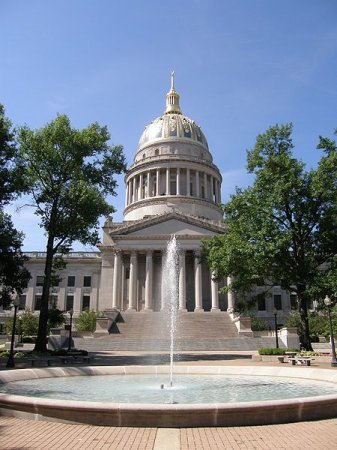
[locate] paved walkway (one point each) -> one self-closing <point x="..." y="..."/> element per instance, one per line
<point x="24" y="434"/>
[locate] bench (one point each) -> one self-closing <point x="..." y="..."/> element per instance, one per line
<point x="302" y="360"/>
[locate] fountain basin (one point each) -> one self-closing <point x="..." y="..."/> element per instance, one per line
<point x="171" y="415"/>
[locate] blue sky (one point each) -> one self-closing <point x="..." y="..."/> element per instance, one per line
<point x="241" y="66"/>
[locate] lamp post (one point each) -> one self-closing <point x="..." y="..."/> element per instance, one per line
<point x="71" y="312"/>
<point x="10" y="361"/>
<point x="275" y="325"/>
<point x="328" y="303"/>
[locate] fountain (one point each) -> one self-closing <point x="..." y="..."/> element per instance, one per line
<point x="196" y="395"/>
<point x="171" y="293"/>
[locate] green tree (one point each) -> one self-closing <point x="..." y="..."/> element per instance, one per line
<point x="13" y="275"/>
<point x="11" y="180"/>
<point x="283" y="228"/>
<point x="69" y="173"/>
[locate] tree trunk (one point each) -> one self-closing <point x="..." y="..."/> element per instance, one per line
<point x="41" y="340"/>
<point x="303" y="310"/>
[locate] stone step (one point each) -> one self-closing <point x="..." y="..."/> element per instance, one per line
<point x="188" y="325"/>
<point x="237" y="344"/>
<point x="145" y="331"/>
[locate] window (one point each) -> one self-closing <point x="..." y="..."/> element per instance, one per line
<point x="22" y="302"/>
<point x="261" y="303"/>
<point x="71" y="281"/>
<point x="85" y="302"/>
<point x="156" y="152"/>
<point x="70" y="302"/>
<point x="277" y="301"/>
<point x="293" y="301"/>
<point x="37" y="303"/>
<point x="87" y="281"/>
<point x="39" y="280"/>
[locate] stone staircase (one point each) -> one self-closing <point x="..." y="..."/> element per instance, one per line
<point x="143" y="331"/>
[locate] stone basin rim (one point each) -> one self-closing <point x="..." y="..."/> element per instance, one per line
<point x="171" y="415"/>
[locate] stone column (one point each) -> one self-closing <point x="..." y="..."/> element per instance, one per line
<point x="188" y="182"/>
<point x="127" y="195"/>
<point x="148" y="193"/>
<point x="133" y="281"/>
<point x="116" y="280"/>
<point x="182" y="280"/>
<point x="168" y="184"/>
<point x="122" y="294"/>
<point x="178" y="181"/>
<point x="198" y="281"/>
<point x="134" y="191"/>
<point x="157" y="181"/>
<point x="148" y="281"/>
<point x="216" y="191"/>
<point x="197" y="184"/>
<point x="230" y="297"/>
<point x="205" y="186"/>
<point x="212" y="189"/>
<point x="214" y="294"/>
<point x="130" y="192"/>
<point x="140" y="190"/>
<point x="219" y="192"/>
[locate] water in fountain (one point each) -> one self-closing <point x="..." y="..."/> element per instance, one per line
<point x="171" y="293"/>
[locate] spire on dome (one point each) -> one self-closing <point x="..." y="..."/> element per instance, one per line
<point x="172" y="80"/>
<point x="172" y="99"/>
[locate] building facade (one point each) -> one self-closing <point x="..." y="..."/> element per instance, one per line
<point x="173" y="187"/>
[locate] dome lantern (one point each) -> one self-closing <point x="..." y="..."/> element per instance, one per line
<point x="172" y="99"/>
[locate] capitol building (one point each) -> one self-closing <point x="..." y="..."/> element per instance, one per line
<point x="173" y="187"/>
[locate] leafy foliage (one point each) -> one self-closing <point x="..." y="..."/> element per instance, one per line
<point x="273" y="351"/>
<point x="26" y="324"/>
<point x="55" y="318"/>
<point x="13" y="275"/>
<point x="284" y="227"/>
<point x="258" y="324"/>
<point x="86" y="321"/>
<point x="69" y="173"/>
<point x="318" y="324"/>
<point x="11" y="180"/>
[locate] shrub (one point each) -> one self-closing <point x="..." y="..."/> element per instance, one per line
<point x="28" y="324"/>
<point x="5" y="354"/>
<point x="28" y="340"/>
<point x="86" y="321"/>
<point x="258" y="324"/>
<point x="55" y="318"/>
<point x="275" y="351"/>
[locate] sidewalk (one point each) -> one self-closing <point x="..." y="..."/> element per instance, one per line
<point x="21" y="434"/>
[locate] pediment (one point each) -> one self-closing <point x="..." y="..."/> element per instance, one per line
<point x="168" y="224"/>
